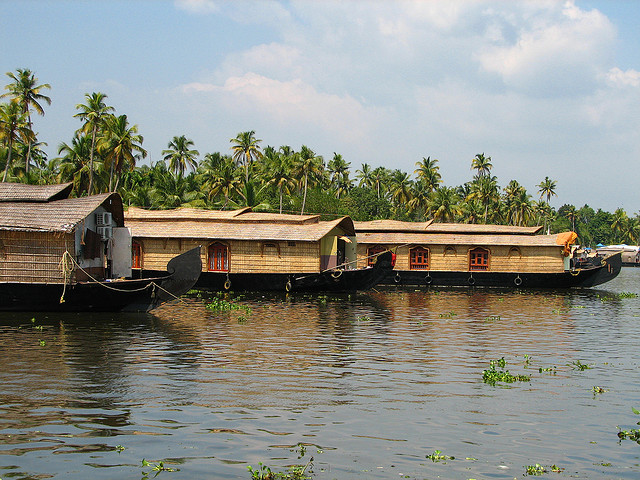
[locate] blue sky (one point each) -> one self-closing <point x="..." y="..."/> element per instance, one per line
<point x="546" y="88"/>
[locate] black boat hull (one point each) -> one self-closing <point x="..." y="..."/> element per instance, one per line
<point x="328" y="281"/>
<point x="579" y="278"/>
<point x="131" y="295"/>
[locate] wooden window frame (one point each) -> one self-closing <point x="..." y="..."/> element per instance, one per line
<point x="212" y="262"/>
<point x="419" y="258"/>
<point x="479" y="258"/>
<point x="371" y="251"/>
<point x="136" y="255"/>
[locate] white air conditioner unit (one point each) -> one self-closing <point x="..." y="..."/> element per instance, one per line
<point x="103" y="219"/>
<point x="105" y="232"/>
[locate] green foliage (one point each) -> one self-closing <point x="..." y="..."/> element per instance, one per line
<point x="222" y="305"/>
<point x="492" y="375"/>
<point x="363" y="204"/>
<point x="578" y="365"/>
<point x="631" y="434"/>
<point x="535" y="470"/>
<point x="437" y="456"/>
<point x="155" y="467"/>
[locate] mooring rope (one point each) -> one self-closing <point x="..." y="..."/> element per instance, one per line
<point x="67" y="265"/>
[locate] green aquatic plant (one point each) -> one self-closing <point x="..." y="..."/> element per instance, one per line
<point x="155" y="467"/>
<point x="437" y="456"/>
<point x="448" y="315"/>
<point x="364" y="318"/>
<point x="631" y="434"/>
<point x="598" y="390"/>
<point x="551" y="370"/>
<point x="492" y="318"/>
<point x="295" y="472"/>
<point x="42" y="343"/>
<point x="492" y="375"/>
<point x="535" y="470"/>
<point x="222" y="305"/>
<point x="627" y="295"/>
<point x="578" y="365"/>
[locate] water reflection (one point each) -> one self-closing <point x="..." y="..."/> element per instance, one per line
<point x="373" y="380"/>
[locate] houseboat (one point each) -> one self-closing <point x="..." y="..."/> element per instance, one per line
<point x="74" y="254"/>
<point x="457" y="255"/>
<point x="254" y="251"/>
<point x="630" y="253"/>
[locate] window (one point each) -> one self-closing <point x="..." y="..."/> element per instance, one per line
<point x="218" y="258"/>
<point x="419" y="259"/>
<point x="136" y="254"/>
<point x="479" y="259"/>
<point x="372" y="253"/>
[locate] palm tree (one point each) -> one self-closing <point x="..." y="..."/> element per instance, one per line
<point x="74" y="164"/>
<point x="547" y="188"/>
<point x="420" y="195"/>
<point x="429" y="173"/>
<point x="119" y="146"/>
<point x="246" y="149"/>
<point x="338" y="170"/>
<point x="364" y="175"/>
<point x="278" y="167"/>
<point x="307" y="165"/>
<point x="180" y="156"/>
<point x="444" y="205"/>
<point x="13" y="127"/>
<point x="571" y="214"/>
<point x="379" y="178"/>
<point x="226" y="182"/>
<point x="619" y="223"/>
<point x="481" y="164"/>
<point x="401" y="185"/>
<point x="26" y="92"/>
<point x="485" y="190"/>
<point x="93" y="113"/>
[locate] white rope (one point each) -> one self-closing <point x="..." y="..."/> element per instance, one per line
<point x="67" y="265"/>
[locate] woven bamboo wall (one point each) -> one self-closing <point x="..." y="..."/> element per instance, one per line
<point x="33" y="257"/>
<point x="539" y="259"/>
<point x="244" y="256"/>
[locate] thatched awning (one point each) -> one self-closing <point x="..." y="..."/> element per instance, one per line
<point x="243" y="215"/>
<point x="58" y="215"/>
<point x="475" y="228"/>
<point x="237" y="225"/>
<point x="432" y="227"/>
<point x="404" y="238"/>
<point x="391" y="226"/>
<point x="22" y="192"/>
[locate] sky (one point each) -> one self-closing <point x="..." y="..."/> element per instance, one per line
<point x="545" y="88"/>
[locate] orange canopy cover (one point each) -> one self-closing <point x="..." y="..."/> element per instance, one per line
<point x="567" y="239"/>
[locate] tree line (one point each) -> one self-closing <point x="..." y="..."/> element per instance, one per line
<point x="105" y="154"/>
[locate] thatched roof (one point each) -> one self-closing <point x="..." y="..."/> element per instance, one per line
<point x="431" y="227"/>
<point x="22" y="192"/>
<point x="236" y="225"/>
<point x="473" y="228"/>
<point x="391" y="226"/>
<point x="57" y="215"/>
<point x="244" y="215"/>
<point x="409" y="238"/>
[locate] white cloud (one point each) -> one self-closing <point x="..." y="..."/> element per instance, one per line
<point x="198" y="6"/>
<point x="290" y="104"/>
<point x="553" y="54"/>
<point x="618" y="78"/>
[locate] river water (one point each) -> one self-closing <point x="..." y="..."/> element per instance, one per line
<point x="371" y="386"/>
